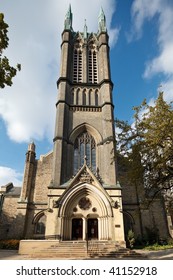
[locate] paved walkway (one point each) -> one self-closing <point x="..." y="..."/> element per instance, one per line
<point x="151" y="255"/>
<point x="158" y="255"/>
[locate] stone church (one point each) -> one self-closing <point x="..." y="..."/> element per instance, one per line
<point x="73" y="192"/>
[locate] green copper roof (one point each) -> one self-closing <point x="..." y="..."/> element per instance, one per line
<point x="85" y="30"/>
<point x="68" y="19"/>
<point x="102" y="21"/>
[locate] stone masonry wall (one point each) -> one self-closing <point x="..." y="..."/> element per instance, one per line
<point x="9" y="220"/>
<point x="38" y="198"/>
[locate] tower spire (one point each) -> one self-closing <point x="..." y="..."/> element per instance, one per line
<point x="85" y="30"/>
<point x="68" y="19"/>
<point x="102" y="21"/>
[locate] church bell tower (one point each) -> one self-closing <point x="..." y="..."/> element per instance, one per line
<point x="84" y="196"/>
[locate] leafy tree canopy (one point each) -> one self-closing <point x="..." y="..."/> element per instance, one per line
<point x="7" y="72"/>
<point x="147" y="146"/>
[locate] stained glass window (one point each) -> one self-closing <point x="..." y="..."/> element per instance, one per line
<point x="84" y="149"/>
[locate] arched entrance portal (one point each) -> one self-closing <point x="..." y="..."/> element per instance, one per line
<point x="92" y="228"/>
<point x="85" y="213"/>
<point x="77" y="229"/>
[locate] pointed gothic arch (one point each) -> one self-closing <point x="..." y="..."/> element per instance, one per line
<point x="77" y="96"/>
<point x="85" y="127"/>
<point x="72" y="100"/>
<point x="89" y="96"/>
<point x="84" y="139"/>
<point x="98" y="209"/>
<point x="78" y="59"/>
<point x="96" y="98"/>
<point x="84" y="98"/>
<point x="39" y="222"/>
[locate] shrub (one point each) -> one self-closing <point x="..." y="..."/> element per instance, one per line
<point x="11" y="244"/>
<point x="170" y="241"/>
<point x="130" y="238"/>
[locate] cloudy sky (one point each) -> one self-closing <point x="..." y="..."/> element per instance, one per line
<point x="141" y="41"/>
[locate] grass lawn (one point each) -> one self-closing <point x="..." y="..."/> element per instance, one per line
<point x="154" y="247"/>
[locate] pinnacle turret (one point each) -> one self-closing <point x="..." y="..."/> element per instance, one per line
<point x="102" y="21"/>
<point x="31" y="147"/>
<point x="85" y="30"/>
<point x="68" y="19"/>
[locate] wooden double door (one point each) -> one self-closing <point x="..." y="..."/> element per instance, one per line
<point x="91" y="230"/>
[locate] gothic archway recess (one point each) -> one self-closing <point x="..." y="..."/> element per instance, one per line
<point x="39" y="222"/>
<point x="84" y="150"/>
<point x="100" y="208"/>
<point x="88" y="148"/>
<point x="88" y="128"/>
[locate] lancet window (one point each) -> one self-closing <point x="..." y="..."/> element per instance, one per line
<point x="77" y="63"/>
<point x="92" y="65"/>
<point x="84" y="150"/>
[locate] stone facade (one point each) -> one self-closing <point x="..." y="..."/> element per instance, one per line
<point x="9" y="220"/>
<point x="73" y="192"/>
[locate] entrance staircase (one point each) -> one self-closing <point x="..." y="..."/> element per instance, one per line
<point x="53" y="249"/>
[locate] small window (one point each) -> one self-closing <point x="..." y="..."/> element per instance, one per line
<point x="40" y="226"/>
<point x="72" y="97"/>
<point x="84" y="97"/>
<point x="96" y="99"/>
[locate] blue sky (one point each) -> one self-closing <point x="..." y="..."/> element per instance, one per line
<point x="141" y="41"/>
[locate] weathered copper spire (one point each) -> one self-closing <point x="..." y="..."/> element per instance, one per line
<point x="85" y="30"/>
<point x="102" y="21"/>
<point x="68" y="19"/>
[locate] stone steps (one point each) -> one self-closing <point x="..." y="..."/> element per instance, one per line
<point x="75" y="250"/>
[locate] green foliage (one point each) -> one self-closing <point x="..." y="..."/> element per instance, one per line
<point x="130" y="239"/>
<point x="147" y="146"/>
<point x="3" y="33"/>
<point x="157" y="247"/>
<point x="11" y="244"/>
<point x="158" y="125"/>
<point x="170" y="242"/>
<point x="7" y="72"/>
<point x="151" y="241"/>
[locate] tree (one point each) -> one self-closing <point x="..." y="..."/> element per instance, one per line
<point x="147" y="146"/>
<point x="7" y="72"/>
<point x="158" y="145"/>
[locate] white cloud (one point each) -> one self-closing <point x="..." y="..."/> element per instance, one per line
<point x="35" y="27"/>
<point x="163" y="63"/>
<point x="8" y="175"/>
<point x="113" y="36"/>
<point x="142" y="10"/>
<point x="167" y="87"/>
